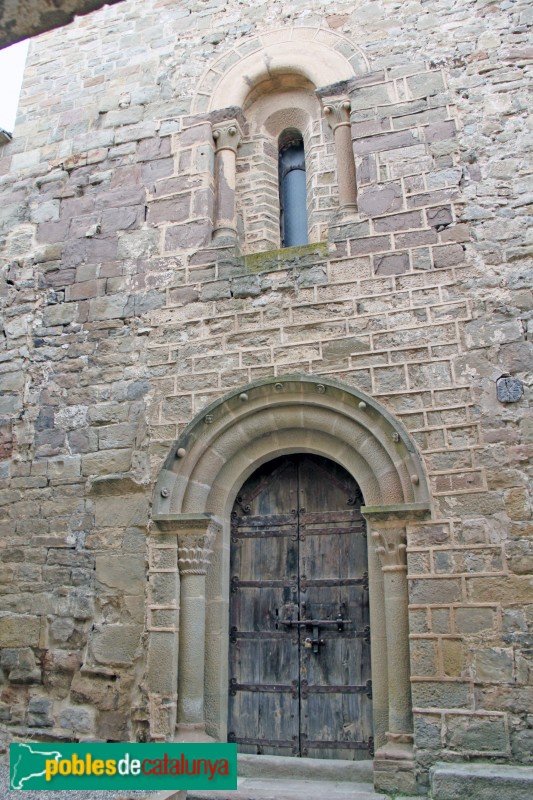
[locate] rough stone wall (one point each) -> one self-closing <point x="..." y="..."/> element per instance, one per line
<point x="120" y="322"/>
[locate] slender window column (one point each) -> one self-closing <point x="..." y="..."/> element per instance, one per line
<point x="337" y="113"/>
<point x="227" y="137"/>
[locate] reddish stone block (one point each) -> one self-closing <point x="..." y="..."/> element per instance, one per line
<point x="380" y="199"/>
<point x="112" y="269"/>
<point x="456" y="233"/>
<point x="122" y="219"/>
<point x="50" y="232"/>
<point x="196" y="134"/>
<point x="439" y="131"/>
<point x="151" y="149"/>
<point x="191" y="234"/>
<point x="97" y="155"/>
<point x="128" y="175"/>
<point x="398" y="222"/>
<point x="174" y="185"/>
<point x="89" y="251"/>
<point x="391" y="264"/>
<point x="154" y="170"/>
<point x="386" y="141"/>
<point x="370" y="244"/>
<point x="85" y="290"/>
<point x="442" y="215"/>
<point x="77" y="206"/>
<point x="59" y="278"/>
<point x="439" y="196"/>
<point x="416" y="238"/>
<point x="184" y="296"/>
<point x="448" y="255"/>
<point x="79" y="226"/>
<point x="129" y="196"/>
<point x="370" y="127"/>
<point x="176" y="209"/>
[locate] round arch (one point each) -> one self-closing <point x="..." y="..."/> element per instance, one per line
<point x="317" y="55"/>
<point x="233" y="436"/>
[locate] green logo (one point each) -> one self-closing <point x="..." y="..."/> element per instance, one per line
<point x="123" y="766"/>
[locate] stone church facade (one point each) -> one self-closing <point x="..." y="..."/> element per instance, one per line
<point x="160" y="345"/>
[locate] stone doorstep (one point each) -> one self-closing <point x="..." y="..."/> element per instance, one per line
<point x="287" y="789"/>
<point x="478" y="781"/>
<point x="279" y="778"/>
<point x="309" y="769"/>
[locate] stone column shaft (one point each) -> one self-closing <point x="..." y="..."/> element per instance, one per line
<point x="194" y="554"/>
<point x="394" y="762"/>
<point x="400" y="713"/>
<point x="391" y="548"/>
<point x="191" y="650"/>
<point x="227" y="137"/>
<point x="178" y="654"/>
<point x="338" y="116"/>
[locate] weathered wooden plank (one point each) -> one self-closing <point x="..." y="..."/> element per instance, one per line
<point x="298" y="553"/>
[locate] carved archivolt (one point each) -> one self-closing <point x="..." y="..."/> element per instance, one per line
<point x="320" y="56"/>
<point x="227" y="441"/>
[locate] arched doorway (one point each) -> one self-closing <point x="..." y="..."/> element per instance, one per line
<point x="299" y="654"/>
<point x="190" y="538"/>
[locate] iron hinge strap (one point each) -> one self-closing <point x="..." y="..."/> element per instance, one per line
<point x="277" y="688"/>
<point x="363" y="688"/>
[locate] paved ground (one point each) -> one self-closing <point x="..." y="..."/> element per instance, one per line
<point x="71" y="794"/>
<point x="286" y="789"/>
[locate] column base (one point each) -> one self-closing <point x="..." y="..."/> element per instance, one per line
<point x="394" y="765"/>
<point x="192" y="733"/>
<point x="225" y="235"/>
<point x="347" y="211"/>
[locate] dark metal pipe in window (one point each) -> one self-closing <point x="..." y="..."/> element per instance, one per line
<point x="292" y="190"/>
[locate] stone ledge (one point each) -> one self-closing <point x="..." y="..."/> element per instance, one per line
<point x="481" y="781"/>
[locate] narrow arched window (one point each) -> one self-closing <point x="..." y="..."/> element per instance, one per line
<point x="292" y="189"/>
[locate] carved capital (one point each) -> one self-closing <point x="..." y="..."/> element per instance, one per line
<point x="227" y="135"/>
<point x="337" y="112"/>
<point x="390" y="544"/>
<point x="195" y="551"/>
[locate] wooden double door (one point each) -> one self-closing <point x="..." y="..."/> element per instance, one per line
<point x="299" y="664"/>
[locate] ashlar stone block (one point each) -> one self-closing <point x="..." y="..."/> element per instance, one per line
<point x="123" y="572"/>
<point x="115" y="644"/>
<point x="18" y="630"/>
<point x="475" y="733"/>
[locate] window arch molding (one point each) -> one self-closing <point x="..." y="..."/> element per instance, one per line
<point x="322" y="57"/>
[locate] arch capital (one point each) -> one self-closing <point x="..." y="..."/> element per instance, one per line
<point x="227" y="135"/>
<point x="337" y="111"/>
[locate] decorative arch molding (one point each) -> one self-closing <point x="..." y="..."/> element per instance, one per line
<point x="318" y="55"/>
<point x="233" y="436"/>
<point x="189" y="542"/>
